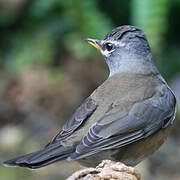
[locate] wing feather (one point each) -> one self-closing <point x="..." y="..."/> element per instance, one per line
<point x="80" y="116"/>
<point x="119" y="128"/>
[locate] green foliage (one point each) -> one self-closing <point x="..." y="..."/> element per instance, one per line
<point x="152" y="17"/>
<point x="30" y="50"/>
<point x="52" y="26"/>
<point x="43" y="32"/>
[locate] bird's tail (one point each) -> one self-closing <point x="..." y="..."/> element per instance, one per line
<point x="41" y="158"/>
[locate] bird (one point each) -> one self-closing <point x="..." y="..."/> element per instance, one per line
<point x="127" y="118"/>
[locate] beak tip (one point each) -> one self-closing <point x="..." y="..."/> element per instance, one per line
<point x="86" y="40"/>
<point x="93" y="42"/>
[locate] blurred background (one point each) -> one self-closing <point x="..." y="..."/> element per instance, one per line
<point x="46" y="70"/>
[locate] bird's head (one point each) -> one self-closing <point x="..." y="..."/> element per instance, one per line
<point x="124" y="48"/>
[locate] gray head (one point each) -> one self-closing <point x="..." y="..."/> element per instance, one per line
<point x="126" y="49"/>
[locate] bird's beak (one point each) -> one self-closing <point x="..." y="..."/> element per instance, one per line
<point x="94" y="42"/>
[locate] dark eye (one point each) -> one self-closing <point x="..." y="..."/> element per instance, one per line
<point x="109" y="46"/>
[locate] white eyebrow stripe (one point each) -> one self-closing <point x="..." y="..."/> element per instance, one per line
<point x="113" y="42"/>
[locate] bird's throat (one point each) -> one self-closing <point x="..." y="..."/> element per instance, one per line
<point x="131" y="65"/>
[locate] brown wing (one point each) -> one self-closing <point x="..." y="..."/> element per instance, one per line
<point x="80" y="116"/>
<point x="118" y="129"/>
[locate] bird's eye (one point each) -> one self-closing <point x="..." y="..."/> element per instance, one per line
<point x="109" y="46"/>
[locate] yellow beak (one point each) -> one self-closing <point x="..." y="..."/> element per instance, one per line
<point x="94" y="43"/>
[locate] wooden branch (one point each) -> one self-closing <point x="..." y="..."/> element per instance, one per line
<point x="107" y="170"/>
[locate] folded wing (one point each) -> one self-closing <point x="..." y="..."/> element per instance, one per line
<point x="117" y="128"/>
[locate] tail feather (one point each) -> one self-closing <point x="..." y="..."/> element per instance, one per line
<point x="41" y="158"/>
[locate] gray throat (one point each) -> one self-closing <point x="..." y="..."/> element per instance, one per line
<point x="131" y="64"/>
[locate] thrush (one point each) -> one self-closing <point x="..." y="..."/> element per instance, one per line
<point x="125" y="119"/>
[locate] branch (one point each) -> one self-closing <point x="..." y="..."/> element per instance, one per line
<point x="107" y="170"/>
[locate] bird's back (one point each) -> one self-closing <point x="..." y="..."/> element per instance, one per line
<point x="121" y="90"/>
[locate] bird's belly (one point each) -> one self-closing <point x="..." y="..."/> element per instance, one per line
<point x="131" y="154"/>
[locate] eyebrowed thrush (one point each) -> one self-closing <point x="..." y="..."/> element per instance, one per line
<point x="125" y="119"/>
